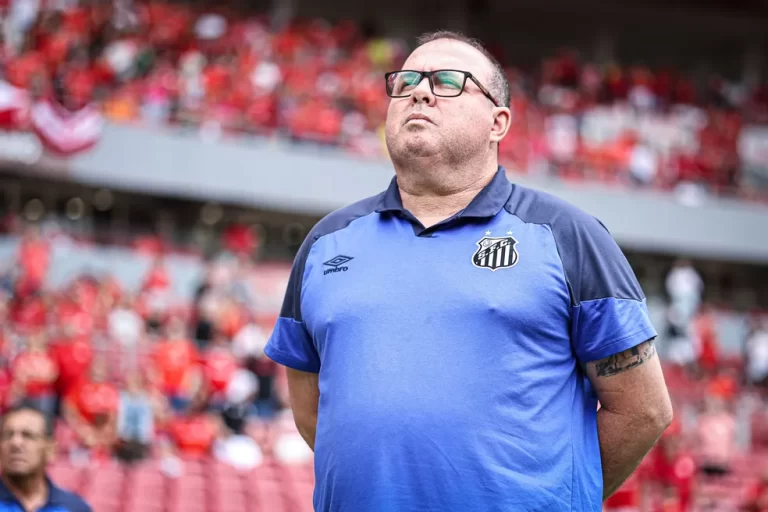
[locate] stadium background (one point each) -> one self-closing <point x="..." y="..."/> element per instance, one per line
<point x="161" y="162"/>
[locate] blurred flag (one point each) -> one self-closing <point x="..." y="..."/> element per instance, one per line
<point x="66" y="133"/>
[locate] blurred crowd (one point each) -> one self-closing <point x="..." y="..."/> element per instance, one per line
<point x="713" y="456"/>
<point x="135" y="375"/>
<point x="224" y="70"/>
<point x="139" y="374"/>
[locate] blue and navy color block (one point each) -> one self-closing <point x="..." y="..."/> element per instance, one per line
<point x="450" y="358"/>
<point x="59" y="500"/>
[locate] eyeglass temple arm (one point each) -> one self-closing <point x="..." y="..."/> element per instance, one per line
<point x="482" y="88"/>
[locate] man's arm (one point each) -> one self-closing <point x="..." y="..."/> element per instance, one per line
<point x="77" y="423"/>
<point x="635" y="409"/>
<point x="304" y="397"/>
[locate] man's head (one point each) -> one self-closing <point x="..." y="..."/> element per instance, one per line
<point x="452" y="130"/>
<point x="26" y="442"/>
<point x="175" y="329"/>
<point x="36" y="340"/>
<point x="99" y="371"/>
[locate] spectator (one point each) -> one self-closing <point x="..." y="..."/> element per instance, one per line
<point x="219" y="368"/>
<point x="674" y="468"/>
<point x="716" y="435"/>
<point x="235" y="447"/>
<point x="684" y="287"/>
<point x="643" y="164"/>
<point x="135" y="420"/>
<point x="175" y="365"/>
<point x="289" y="447"/>
<point x="757" y="496"/>
<point x="627" y="498"/>
<point x="73" y="355"/>
<point x="26" y="449"/>
<point x="90" y="411"/>
<point x="34" y="375"/>
<point x="705" y="340"/>
<point x="192" y="433"/>
<point x="124" y="324"/>
<point x="681" y="350"/>
<point x="33" y="259"/>
<point x="249" y="342"/>
<point x="28" y="312"/>
<point x="756" y="352"/>
<point x="155" y="291"/>
<point x="204" y="309"/>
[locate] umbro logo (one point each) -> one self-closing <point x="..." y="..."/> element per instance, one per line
<point x="337" y="264"/>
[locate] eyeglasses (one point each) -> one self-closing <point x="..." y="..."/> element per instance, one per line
<point x="444" y="83"/>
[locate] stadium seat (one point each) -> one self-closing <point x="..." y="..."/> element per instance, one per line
<point x="230" y="502"/>
<point x="266" y="494"/>
<point x="66" y="476"/>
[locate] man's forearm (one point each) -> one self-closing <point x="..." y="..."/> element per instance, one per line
<point x="624" y="441"/>
<point x="308" y="434"/>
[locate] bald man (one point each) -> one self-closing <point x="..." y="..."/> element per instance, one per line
<point x="26" y="448"/>
<point x="448" y="340"/>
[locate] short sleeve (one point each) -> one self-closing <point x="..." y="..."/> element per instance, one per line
<point x="609" y="312"/>
<point x="290" y="343"/>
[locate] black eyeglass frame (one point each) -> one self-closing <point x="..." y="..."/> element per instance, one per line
<point x="428" y="75"/>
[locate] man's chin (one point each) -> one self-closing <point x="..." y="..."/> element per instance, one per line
<point x="17" y="472"/>
<point x="412" y="145"/>
<point x="420" y="146"/>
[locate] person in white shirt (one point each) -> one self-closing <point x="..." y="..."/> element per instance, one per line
<point x="756" y="351"/>
<point x="237" y="449"/>
<point x="125" y="325"/>
<point x="685" y="287"/>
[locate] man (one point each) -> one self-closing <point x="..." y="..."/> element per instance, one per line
<point x="219" y="367"/>
<point x="448" y="340"/>
<point x="35" y="373"/>
<point x="73" y="355"/>
<point x="175" y="365"/>
<point x="26" y="447"/>
<point x="91" y="410"/>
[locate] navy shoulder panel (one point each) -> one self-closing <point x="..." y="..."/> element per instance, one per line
<point x="331" y="223"/>
<point x="341" y="218"/>
<point x="594" y="265"/>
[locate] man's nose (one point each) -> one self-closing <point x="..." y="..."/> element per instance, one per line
<point x="423" y="93"/>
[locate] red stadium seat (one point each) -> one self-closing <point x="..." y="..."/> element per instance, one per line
<point x="266" y="494"/>
<point x="66" y="476"/>
<point x="144" y="507"/>
<point x="231" y="502"/>
<point x="99" y="505"/>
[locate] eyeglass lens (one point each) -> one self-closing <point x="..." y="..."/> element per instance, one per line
<point x="444" y="83"/>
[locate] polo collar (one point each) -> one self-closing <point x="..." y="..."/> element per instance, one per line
<point x="55" y="495"/>
<point x="487" y="203"/>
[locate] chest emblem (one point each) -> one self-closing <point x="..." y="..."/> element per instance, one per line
<point x="494" y="253"/>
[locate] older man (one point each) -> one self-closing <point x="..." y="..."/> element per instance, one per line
<point x="26" y="446"/>
<point x="448" y="340"/>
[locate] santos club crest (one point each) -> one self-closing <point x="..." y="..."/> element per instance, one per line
<point x="495" y="252"/>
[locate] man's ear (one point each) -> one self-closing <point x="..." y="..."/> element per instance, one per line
<point x="502" y="120"/>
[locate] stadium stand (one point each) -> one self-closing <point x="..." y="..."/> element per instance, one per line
<point x="125" y="343"/>
<point x="225" y="71"/>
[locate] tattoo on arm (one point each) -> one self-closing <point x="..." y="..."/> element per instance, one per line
<point x="623" y="361"/>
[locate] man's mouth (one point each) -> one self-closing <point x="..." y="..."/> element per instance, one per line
<point x="418" y="117"/>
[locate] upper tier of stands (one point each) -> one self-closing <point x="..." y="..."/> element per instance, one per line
<point x="227" y="71"/>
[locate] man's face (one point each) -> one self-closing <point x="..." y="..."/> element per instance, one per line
<point x="24" y="446"/>
<point x="456" y="128"/>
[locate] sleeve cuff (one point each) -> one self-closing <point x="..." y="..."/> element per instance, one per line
<point x="290" y="345"/>
<point x="604" y="327"/>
